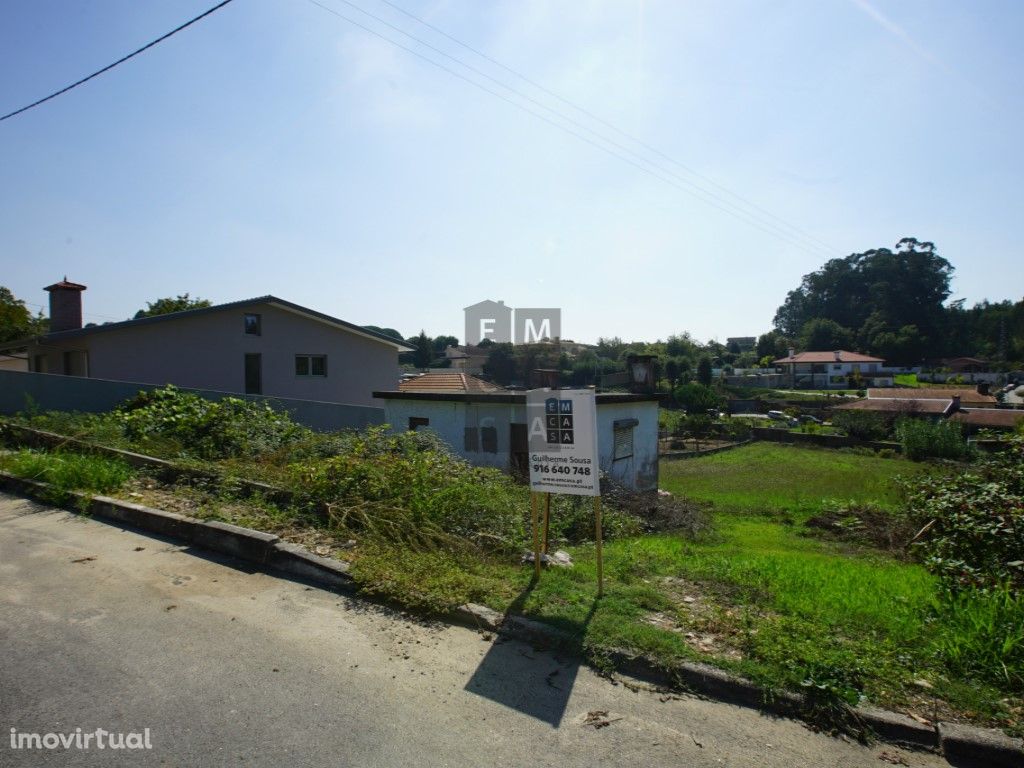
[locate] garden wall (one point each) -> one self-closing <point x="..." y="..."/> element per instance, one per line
<point x="826" y="441"/>
<point x="20" y="391"/>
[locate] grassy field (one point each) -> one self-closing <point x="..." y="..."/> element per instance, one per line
<point x="768" y="478"/>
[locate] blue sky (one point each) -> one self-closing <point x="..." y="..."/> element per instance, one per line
<point x="276" y="148"/>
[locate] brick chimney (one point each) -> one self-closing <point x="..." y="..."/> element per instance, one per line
<point x="65" y="305"/>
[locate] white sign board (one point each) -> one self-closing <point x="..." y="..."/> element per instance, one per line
<point x="562" y="441"/>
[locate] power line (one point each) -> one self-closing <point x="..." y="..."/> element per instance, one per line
<point x="639" y="142"/>
<point x="123" y="59"/>
<point x="704" y="195"/>
<point x="780" y="231"/>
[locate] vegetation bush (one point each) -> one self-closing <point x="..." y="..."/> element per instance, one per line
<point x="863" y="425"/>
<point x="208" y="429"/>
<point x="973" y="523"/>
<point x="697" y="398"/>
<point x="68" y="471"/>
<point x="409" y="487"/>
<point x="922" y="439"/>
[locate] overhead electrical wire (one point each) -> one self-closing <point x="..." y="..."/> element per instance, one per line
<point x="641" y="163"/>
<point x="583" y="110"/>
<point x="123" y="59"/>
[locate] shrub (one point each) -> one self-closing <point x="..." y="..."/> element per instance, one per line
<point x="208" y="429"/>
<point x="408" y="487"/>
<point x="973" y="523"/>
<point x="863" y="425"/>
<point x="697" y="398"/>
<point x="923" y="439"/>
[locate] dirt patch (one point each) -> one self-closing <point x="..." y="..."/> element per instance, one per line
<point x="866" y="525"/>
<point x="196" y="502"/>
<point x="700" y="619"/>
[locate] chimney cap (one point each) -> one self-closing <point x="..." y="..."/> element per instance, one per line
<point x="65" y="285"/>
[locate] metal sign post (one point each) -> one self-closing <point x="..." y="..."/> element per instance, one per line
<point x="563" y="452"/>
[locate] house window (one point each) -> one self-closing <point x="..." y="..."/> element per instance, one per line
<point x="311" y="365"/>
<point x="837" y="366"/>
<point x="76" y="363"/>
<point x="489" y="439"/>
<point x="623" y="438"/>
<point x="471" y="440"/>
<point x="254" y="374"/>
<point x="415" y="422"/>
<point x="39" y="363"/>
<point x="253" y="324"/>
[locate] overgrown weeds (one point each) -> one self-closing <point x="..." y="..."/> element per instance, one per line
<point x="67" y="471"/>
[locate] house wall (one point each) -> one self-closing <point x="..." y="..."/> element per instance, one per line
<point x="208" y="352"/>
<point x="449" y="421"/>
<point x="640" y="471"/>
<point x="9" y="363"/>
<point x="53" y="392"/>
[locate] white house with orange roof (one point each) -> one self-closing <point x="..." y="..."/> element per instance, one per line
<point x="838" y="369"/>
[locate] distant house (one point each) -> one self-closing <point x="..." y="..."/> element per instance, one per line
<point x="969" y="407"/>
<point x="833" y="370"/>
<point x="742" y="343"/>
<point x="488" y="428"/>
<point x="263" y="346"/>
<point x="468" y="358"/>
<point x="965" y="364"/>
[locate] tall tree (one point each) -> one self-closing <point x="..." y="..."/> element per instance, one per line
<point x="822" y="334"/>
<point x="424" y="350"/>
<point x="902" y="287"/>
<point x="16" y="322"/>
<point x="171" y="304"/>
<point x="704" y="371"/>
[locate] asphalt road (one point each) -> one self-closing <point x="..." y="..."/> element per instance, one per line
<point x="102" y="627"/>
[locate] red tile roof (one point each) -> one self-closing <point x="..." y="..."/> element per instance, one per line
<point x="838" y="356"/>
<point x="448" y="382"/>
<point x="966" y="394"/>
<point x="896" y="405"/>
<point x="989" y="417"/>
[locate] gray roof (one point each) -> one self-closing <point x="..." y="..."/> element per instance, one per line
<point x="400" y="345"/>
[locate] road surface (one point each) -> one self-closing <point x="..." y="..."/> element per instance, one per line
<point x="108" y="628"/>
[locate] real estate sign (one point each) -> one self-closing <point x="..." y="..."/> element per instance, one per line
<point x="562" y="441"/>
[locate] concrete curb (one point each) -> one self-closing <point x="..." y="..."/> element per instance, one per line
<point x="964" y="745"/>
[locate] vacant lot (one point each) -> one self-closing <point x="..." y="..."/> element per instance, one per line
<point x="756" y="591"/>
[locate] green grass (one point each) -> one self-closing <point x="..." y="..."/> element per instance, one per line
<point x="768" y="478"/>
<point x="906" y="380"/>
<point x="68" y="471"/>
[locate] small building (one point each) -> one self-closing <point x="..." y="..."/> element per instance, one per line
<point x="489" y="429"/>
<point x="741" y="343"/>
<point x="260" y="346"/>
<point x="973" y="409"/>
<point x="467" y="358"/>
<point x="974" y="396"/>
<point x="838" y="369"/>
<point x="448" y="381"/>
